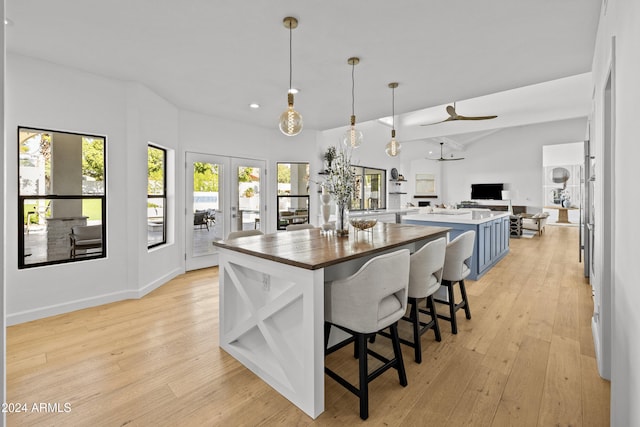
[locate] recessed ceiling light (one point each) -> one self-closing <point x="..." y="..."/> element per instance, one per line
<point x="430" y="152"/>
<point x="8" y="21"/>
<point x="293" y="90"/>
<point x="254" y="105"/>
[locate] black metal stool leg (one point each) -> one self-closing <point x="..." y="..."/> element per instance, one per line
<point x="397" y="351"/>
<point x="364" y="376"/>
<point x="463" y="292"/>
<point x="415" y="320"/>
<point x="452" y="310"/>
<point x="434" y="315"/>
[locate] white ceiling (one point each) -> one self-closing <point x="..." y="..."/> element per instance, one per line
<point x="216" y="57"/>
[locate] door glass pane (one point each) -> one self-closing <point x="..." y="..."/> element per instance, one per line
<point x="248" y="217"/>
<point x="208" y="221"/>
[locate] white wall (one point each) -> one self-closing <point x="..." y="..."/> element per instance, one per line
<point x="563" y="154"/>
<point x="151" y="119"/>
<point x="3" y="346"/>
<point x="622" y="20"/>
<point x="512" y="156"/>
<point x="44" y="95"/>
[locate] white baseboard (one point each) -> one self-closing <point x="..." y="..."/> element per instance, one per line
<point x="598" y="349"/>
<point x="159" y="282"/>
<point x="69" y="306"/>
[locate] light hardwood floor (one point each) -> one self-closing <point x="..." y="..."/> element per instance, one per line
<point x="526" y="358"/>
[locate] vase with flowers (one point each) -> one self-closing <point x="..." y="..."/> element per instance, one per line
<point x="341" y="184"/>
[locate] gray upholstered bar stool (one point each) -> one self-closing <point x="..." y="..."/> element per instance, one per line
<point x="424" y="280"/>
<point x="457" y="266"/>
<point x="372" y="299"/>
<point x="243" y="233"/>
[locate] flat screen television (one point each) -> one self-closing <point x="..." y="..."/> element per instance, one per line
<point x="486" y="191"/>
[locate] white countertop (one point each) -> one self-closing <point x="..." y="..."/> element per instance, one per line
<point x="461" y="216"/>
<point x="382" y="212"/>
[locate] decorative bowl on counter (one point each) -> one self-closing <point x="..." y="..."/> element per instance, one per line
<point x="363" y="223"/>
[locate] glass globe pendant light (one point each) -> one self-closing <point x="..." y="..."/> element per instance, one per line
<point x="393" y="147"/>
<point x="352" y="138"/>
<point x="290" y="121"/>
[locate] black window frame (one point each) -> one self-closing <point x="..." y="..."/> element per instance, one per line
<point x="361" y="175"/>
<point x="22" y="198"/>
<point x="156" y="196"/>
<point x="281" y="223"/>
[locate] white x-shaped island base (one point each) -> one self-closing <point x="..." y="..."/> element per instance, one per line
<point x="272" y="299"/>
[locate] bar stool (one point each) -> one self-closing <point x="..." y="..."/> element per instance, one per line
<point x="424" y="280"/>
<point x="372" y="299"/>
<point x="457" y="266"/>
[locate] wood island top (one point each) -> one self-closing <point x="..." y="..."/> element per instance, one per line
<point x="311" y="249"/>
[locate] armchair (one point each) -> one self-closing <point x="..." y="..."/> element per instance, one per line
<point x="535" y="222"/>
<point x="85" y="237"/>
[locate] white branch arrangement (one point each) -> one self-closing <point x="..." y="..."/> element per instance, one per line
<point x="342" y="178"/>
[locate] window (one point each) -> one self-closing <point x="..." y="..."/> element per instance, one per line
<point x="156" y="196"/>
<point x="61" y="197"/>
<point x="293" y="194"/>
<point x="371" y="190"/>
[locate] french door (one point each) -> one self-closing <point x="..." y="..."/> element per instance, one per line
<point x="223" y="194"/>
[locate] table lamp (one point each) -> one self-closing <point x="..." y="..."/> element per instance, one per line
<point x="506" y="195"/>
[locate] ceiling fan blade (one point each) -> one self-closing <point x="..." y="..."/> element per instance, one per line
<point x="452" y="111"/>
<point x="476" y="117"/>
<point x="448" y="119"/>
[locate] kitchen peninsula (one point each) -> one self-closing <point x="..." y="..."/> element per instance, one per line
<point x="492" y="233"/>
<point x="272" y="299"/>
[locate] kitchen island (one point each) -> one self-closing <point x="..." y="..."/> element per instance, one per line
<point x="384" y="215"/>
<point x="272" y="299"/>
<point x="492" y="233"/>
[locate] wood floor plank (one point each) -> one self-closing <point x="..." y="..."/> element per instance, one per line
<point x="454" y="378"/>
<point x="520" y="401"/>
<point x="477" y="405"/>
<point x="523" y="359"/>
<point x="561" y="398"/>
<point x="566" y="319"/>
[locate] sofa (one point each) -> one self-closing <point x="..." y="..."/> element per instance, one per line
<point x="535" y="222"/>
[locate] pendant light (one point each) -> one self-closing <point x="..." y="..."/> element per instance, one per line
<point x="290" y="120"/>
<point x="393" y="147"/>
<point x="352" y="138"/>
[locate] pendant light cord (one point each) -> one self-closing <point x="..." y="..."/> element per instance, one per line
<point x="393" y="108"/>
<point x="353" y="90"/>
<point x="290" y="54"/>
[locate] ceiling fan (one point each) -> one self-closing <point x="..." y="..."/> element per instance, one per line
<point x="451" y="109"/>
<point x="445" y="159"/>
